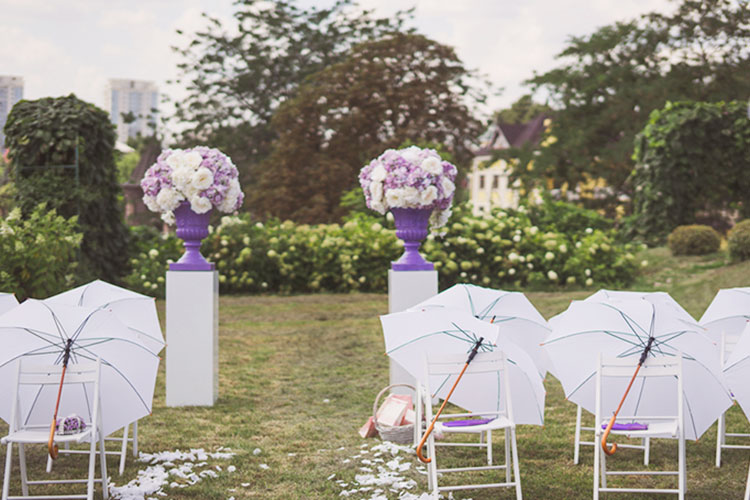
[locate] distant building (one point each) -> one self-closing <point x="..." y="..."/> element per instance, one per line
<point x="11" y="91"/>
<point x="489" y="186"/>
<point x="137" y="100"/>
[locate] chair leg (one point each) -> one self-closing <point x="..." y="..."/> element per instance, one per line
<point x="720" y="438"/>
<point x="646" y="450"/>
<point x="682" y="469"/>
<point x="577" y="445"/>
<point x="6" y="477"/>
<point x="432" y="465"/>
<point x="24" y="473"/>
<point x="516" y="469"/>
<point x="49" y="464"/>
<point x="603" y="463"/>
<point x="124" y="450"/>
<point x="92" y="463"/>
<point x="596" y="469"/>
<point x="747" y="486"/>
<point x="507" y="455"/>
<point x="488" y="435"/>
<point x="103" y="467"/>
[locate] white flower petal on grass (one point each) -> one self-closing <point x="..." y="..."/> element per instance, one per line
<point x="264" y="466"/>
<point x="256" y="451"/>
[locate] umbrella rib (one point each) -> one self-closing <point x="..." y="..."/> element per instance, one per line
<point x="58" y="323"/>
<point x="412" y="341"/>
<point x="690" y="412"/>
<point x="471" y="301"/>
<point x="617" y="335"/>
<point x="583" y="382"/>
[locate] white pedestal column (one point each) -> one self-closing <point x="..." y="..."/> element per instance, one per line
<point x="192" y="338"/>
<point x="406" y="289"/>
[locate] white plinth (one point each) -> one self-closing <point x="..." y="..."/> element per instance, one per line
<point x="406" y="289"/>
<point x="192" y="338"/>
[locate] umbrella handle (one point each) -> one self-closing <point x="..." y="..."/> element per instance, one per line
<point x="421" y="457"/>
<point x="51" y="446"/>
<point x="611" y="451"/>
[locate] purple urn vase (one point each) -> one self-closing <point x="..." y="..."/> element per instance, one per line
<point x="411" y="227"/>
<point x="191" y="228"/>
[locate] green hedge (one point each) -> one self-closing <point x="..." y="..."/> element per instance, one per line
<point x="694" y="239"/>
<point x="38" y="253"/>
<point x="738" y="241"/>
<point x="505" y="249"/>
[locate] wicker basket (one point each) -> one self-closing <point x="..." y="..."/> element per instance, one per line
<point x="401" y="434"/>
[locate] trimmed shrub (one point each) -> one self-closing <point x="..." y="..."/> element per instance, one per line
<point x="38" y="253"/>
<point x="695" y="239"/>
<point x="738" y="241"/>
<point x="502" y="250"/>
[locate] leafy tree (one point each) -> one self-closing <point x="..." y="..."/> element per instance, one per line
<point x="521" y="111"/>
<point x="692" y="161"/>
<point x="608" y="83"/>
<point x="44" y="133"/>
<point x="403" y="86"/>
<point x="237" y="77"/>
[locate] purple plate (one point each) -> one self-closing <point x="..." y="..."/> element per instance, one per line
<point x="467" y="423"/>
<point x="633" y="426"/>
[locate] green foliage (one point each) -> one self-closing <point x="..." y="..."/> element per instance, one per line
<point x="692" y="163"/>
<point x="738" y="241"/>
<point x="125" y="164"/>
<point x="522" y="111"/>
<point x="238" y="75"/>
<point x="567" y="218"/>
<point x="502" y="250"/>
<point x="150" y="254"/>
<point x="45" y="133"/>
<point x="400" y="87"/>
<point x="696" y="239"/>
<point x="608" y="83"/>
<point x="37" y="252"/>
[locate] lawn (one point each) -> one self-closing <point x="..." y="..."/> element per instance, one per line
<point x="298" y="376"/>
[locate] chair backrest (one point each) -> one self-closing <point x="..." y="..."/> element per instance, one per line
<point x="664" y="367"/>
<point x="42" y="382"/>
<point x="446" y="367"/>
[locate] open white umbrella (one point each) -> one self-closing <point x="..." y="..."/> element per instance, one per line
<point x="729" y="313"/>
<point x="512" y="313"/>
<point x="43" y="331"/>
<point x="410" y="336"/>
<point x="662" y="298"/>
<point x="7" y="302"/>
<point x="136" y="311"/>
<point x="737" y="371"/>
<point x="623" y="328"/>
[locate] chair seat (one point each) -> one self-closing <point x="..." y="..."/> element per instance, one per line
<point x="661" y="428"/>
<point x="34" y="436"/>
<point x="497" y="423"/>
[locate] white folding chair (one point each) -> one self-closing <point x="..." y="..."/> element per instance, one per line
<point x="645" y="443"/>
<point x="747" y="486"/>
<point x="658" y="426"/>
<point x="728" y="343"/>
<point x="29" y="375"/>
<point x="503" y="420"/>
<point x="124" y="439"/>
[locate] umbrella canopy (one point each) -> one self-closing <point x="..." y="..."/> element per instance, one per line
<point x="512" y="313"/>
<point x="40" y="330"/>
<point x="411" y="336"/>
<point x="729" y="312"/>
<point x="737" y="371"/>
<point x="136" y="311"/>
<point x="662" y="298"/>
<point x="7" y="302"/>
<point x="622" y="328"/>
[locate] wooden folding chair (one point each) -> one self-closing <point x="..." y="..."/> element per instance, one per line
<point x="29" y="375"/>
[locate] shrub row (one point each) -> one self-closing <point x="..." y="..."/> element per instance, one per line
<point x="505" y="249"/>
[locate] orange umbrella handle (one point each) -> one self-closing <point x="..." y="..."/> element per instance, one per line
<point x="612" y="451"/>
<point x="51" y="446"/>
<point x="434" y="420"/>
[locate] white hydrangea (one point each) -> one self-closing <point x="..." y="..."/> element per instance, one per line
<point x="411" y="154"/>
<point x="168" y="217"/>
<point x="411" y="196"/>
<point x="181" y="177"/>
<point x="432" y="165"/>
<point x="150" y="202"/>
<point x="378" y="173"/>
<point x="202" y="179"/>
<point x="448" y="186"/>
<point x="428" y="195"/>
<point x="376" y="192"/>
<point x="176" y="159"/>
<point x="192" y="159"/>
<point x="552" y="275"/>
<point x="200" y="205"/>
<point x="394" y="197"/>
<point x="169" y="199"/>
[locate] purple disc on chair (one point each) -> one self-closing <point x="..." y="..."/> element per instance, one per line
<point x="633" y="426"/>
<point x="468" y="423"/>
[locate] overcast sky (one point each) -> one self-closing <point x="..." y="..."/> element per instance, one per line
<point x="64" y="46"/>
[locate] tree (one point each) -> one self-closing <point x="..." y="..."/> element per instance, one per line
<point x="521" y="111"/>
<point x="611" y="80"/>
<point x="692" y="161"/>
<point x="237" y="77"/>
<point x="44" y="133"/>
<point x="401" y="87"/>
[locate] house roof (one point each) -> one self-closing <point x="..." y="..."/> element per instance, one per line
<point x="515" y="135"/>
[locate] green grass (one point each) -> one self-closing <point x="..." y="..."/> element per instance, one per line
<point x="282" y="358"/>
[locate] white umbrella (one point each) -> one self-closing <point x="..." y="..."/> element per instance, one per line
<point x="41" y="331"/>
<point x="515" y="316"/>
<point x="729" y="312"/>
<point x="136" y="311"/>
<point x="737" y="371"/>
<point x="662" y="298"/>
<point x="7" y="302"/>
<point x="410" y="336"/>
<point x="622" y="328"/>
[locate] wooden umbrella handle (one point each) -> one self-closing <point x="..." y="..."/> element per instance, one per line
<point x="611" y="451"/>
<point x="51" y="446"/>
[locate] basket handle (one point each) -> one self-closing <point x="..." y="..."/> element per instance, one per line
<point x="377" y="400"/>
